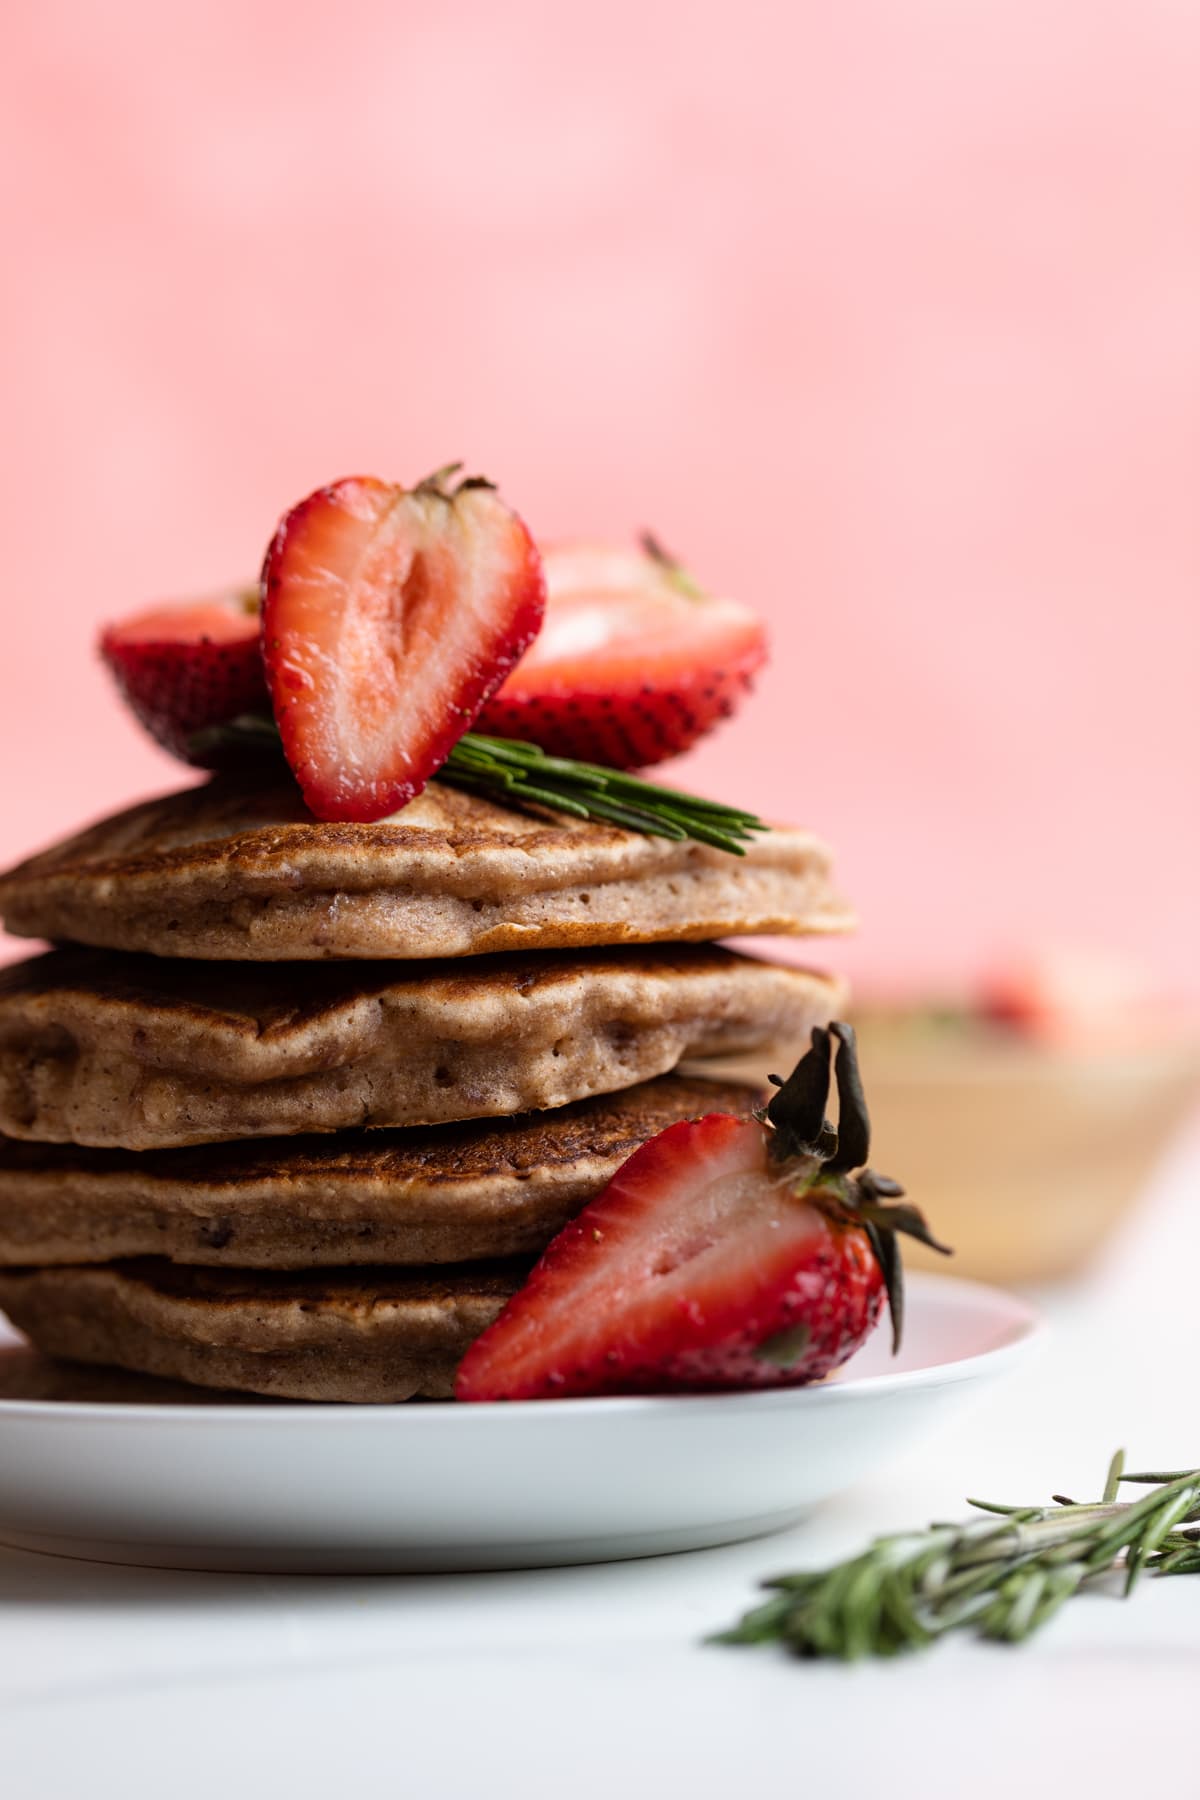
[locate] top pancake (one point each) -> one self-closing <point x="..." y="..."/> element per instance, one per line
<point x="238" y="870"/>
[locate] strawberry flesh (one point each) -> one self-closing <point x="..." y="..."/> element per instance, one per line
<point x="186" y="668"/>
<point x="389" y="617"/>
<point x="703" y="1265"/>
<point x="634" y="663"/>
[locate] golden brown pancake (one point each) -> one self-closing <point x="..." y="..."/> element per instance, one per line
<point x="447" y="1194"/>
<point x="240" y="871"/>
<point x="140" y="1053"/>
<point x="362" y="1335"/>
<point x="26" y="1373"/>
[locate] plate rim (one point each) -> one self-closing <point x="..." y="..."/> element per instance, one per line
<point x="1027" y="1327"/>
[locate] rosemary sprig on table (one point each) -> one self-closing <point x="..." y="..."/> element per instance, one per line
<point x="1001" y="1576"/>
<point x="519" y="774"/>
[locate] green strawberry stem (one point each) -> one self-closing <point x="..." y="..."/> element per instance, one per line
<point x="672" y="568"/>
<point x="1001" y="1577"/>
<point x="517" y="773"/>
<point x="833" y="1157"/>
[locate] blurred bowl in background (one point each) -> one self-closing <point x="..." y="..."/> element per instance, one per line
<point x="1023" y="1155"/>
<point x="1026" y="1124"/>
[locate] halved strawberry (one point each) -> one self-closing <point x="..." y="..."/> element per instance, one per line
<point x="634" y="662"/>
<point x="726" y="1253"/>
<point x="389" y="616"/>
<point x="187" y="667"/>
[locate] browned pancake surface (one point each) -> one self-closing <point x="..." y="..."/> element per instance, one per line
<point x="27" y="1373"/>
<point x="142" y="1053"/>
<point x="348" y="1335"/>
<point x="446" y="1194"/>
<point x="238" y="870"/>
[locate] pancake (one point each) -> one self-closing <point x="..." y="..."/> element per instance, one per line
<point x="369" y="1335"/>
<point x="27" y="1374"/>
<point x="140" y="1053"/>
<point x="452" y="1193"/>
<point x="231" y="871"/>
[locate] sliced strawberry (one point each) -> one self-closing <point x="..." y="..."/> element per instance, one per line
<point x="634" y="662"/>
<point x="185" y="668"/>
<point x="724" y="1254"/>
<point x="389" y="616"/>
<point x="682" y="1274"/>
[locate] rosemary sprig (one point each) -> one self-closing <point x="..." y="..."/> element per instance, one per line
<point x="520" y="774"/>
<point x="1002" y="1576"/>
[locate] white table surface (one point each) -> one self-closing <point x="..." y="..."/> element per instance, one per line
<point x="593" y="1681"/>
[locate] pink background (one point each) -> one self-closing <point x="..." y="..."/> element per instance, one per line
<point x="886" y="316"/>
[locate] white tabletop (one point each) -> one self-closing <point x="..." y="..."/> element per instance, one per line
<point x="594" y="1682"/>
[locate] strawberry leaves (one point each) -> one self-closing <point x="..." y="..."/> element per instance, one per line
<point x="800" y="1131"/>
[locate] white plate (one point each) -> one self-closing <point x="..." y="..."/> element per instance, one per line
<point x="367" y="1488"/>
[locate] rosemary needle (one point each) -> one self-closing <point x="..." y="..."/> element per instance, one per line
<point x="1002" y="1578"/>
<point x="520" y="774"/>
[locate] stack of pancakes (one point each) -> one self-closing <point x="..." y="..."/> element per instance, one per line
<point x="293" y="1106"/>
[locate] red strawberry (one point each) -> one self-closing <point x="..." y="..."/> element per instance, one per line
<point x="389" y="616"/>
<point x="725" y="1253"/>
<point x="1066" y="997"/>
<point x="186" y="667"/>
<point x="634" y="663"/>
